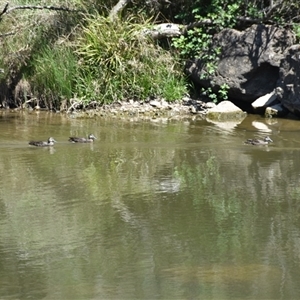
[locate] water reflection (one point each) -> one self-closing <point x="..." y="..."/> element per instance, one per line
<point x="170" y="210"/>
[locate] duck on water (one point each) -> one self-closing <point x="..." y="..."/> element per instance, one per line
<point x="89" y="139"/>
<point x="258" y="142"/>
<point x="48" y="143"/>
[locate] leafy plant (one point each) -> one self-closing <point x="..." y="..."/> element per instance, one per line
<point x="220" y="95"/>
<point x="198" y="41"/>
<point x="223" y="91"/>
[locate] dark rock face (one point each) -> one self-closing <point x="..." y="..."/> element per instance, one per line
<point x="288" y="89"/>
<point x="249" y="61"/>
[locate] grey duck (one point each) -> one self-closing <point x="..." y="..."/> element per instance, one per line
<point x="89" y="139"/>
<point x="48" y="143"/>
<point x="258" y="142"/>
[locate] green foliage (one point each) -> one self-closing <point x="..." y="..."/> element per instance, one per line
<point x="296" y="29"/>
<point x="253" y="11"/>
<point x="104" y="63"/>
<point x="223" y="91"/>
<point x="193" y="43"/>
<point x="118" y="62"/>
<point x="198" y="41"/>
<point x="220" y="95"/>
<point x="54" y="70"/>
<point x="208" y="92"/>
<point x="174" y="87"/>
<point x="115" y="60"/>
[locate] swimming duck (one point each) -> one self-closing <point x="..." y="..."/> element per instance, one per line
<point x="50" y="142"/>
<point x="89" y="139"/>
<point x="265" y="141"/>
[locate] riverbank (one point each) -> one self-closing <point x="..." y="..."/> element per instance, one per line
<point x="153" y="109"/>
<point x="144" y="109"/>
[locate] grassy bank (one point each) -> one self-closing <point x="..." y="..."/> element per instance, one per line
<point x="54" y="57"/>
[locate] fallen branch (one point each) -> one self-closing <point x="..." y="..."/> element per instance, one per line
<point x="163" y="30"/>
<point x="117" y="8"/>
<point x="7" y="10"/>
<point x="74" y="103"/>
<point x="172" y="30"/>
<point x="8" y="33"/>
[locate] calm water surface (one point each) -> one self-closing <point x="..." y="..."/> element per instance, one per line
<point x="152" y="210"/>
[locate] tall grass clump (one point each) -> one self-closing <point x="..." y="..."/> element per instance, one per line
<point x="54" y="73"/>
<point x="118" y="62"/>
<point x="25" y="34"/>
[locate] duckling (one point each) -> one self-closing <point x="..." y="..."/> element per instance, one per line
<point x="258" y="142"/>
<point x="89" y="139"/>
<point x="48" y="143"/>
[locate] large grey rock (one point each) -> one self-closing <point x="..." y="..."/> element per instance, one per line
<point x="288" y="89"/>
<point x="249" y="61"/>
<point x="225" y="111"/>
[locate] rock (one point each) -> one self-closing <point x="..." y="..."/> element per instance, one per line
<point x="225" y="111"/>
<point x="249" y="61"/>
<point x="193" y="110"/>
<point x="276" y="110"/>
<point x="186" y="99"/>
<point x="155" y="103"/>
<point x="164" y="103"/>
<point x="210" y="105"/>
<point x="265" y="100"/>
<point x="288" y="89"/>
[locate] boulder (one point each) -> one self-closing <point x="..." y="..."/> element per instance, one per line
<point x="225" y="111"/>
<point x="249" y="61"/>
<point x="288" y="88"/>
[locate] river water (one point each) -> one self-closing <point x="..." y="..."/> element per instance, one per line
<point x="155" y="209"/>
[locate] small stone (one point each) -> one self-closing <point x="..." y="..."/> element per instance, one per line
<point x="164" y="103"/>
<point x="210" y="105"/>
<point x="155" y="103"/>
<point x="186" y="99"/>
<point x="193" y="109"/>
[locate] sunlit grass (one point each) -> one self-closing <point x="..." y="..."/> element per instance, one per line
<point x="126" y="64"/>
<point x="87" y="57"/>
<point x="54" y="73"/>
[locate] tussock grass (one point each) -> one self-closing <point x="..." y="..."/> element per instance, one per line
<point x="126" y="64"/>
<point x="54" y="72"/>
<point x="86" y="57"/>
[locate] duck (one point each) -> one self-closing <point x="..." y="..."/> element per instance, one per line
<point x="89" y="139"/>
<point x="258" y="142"/>
<point x="48" y="143"/>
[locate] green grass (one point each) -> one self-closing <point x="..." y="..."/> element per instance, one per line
<point x="54" y="71"/>
<point x="127" y="64"/>
<point x="87" y="57"/>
